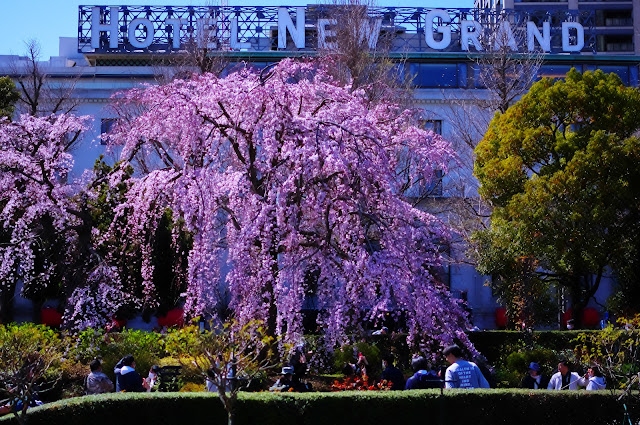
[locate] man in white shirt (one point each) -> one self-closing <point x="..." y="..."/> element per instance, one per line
<point x="564" y="379"/>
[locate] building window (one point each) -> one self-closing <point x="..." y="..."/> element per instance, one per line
<point x="433" y="187"/>
<point x="433" y="125"/>
<point x="621" y="71"/>
<point x="553" y="71"/>
<point x="106" y="124"/>
<point x="615" y="42"/>
<point x="432" y="75"/>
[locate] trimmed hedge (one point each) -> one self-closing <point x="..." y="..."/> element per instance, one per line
<point x="492" y="343"/>
<point x="479" y="407"/>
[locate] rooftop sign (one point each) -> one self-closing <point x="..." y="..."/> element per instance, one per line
<point x="167" y="29"/>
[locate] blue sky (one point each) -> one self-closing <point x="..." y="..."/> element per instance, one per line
<point x="46" y="20"/>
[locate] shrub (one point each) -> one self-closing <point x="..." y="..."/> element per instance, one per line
<point x="480" y="407"/>
<point x="191" y="387"/>
<point x="321" y="359"/>
<point x="512" y="351"/>
<point x="349" y="353"/>
<point x="495" y="344"/>
<point x="146" y="347"/>
<point x="615" y="350"/>
<point x="30" y="359"/>
<point x="510" y="373"/>
<point x="189" y="373"/>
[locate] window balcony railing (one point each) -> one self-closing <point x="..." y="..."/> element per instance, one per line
<point x="540" y="1"/>
<point x="619" y="47"/>
<point x="618" y="22"/>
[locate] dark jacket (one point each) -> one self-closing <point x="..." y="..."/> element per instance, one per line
<point x="130" y="381"/>
<point x="528" y="382"/>
<point x="423" y="380"/>
<point x="394" y="376"/>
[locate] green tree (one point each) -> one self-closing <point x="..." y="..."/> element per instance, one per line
<point x="8" y="97"/>
<point x="615" y="350"/>
<point x="28" y="356"/>
<point x="230" y="356"/>
<point x="560" y="170"/>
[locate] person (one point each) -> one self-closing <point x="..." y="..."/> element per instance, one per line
<point x="392" y="374"/>
<point x="382" y="331"/>
<point x="422" y="378"/>
<point x="361" y="365"/>
<point x="5" y="409"/>
<point x="593" y="379"/>
<point x="462" y="373"/>
<point x="213" y="380"/>
<point x="116" y="371"/>
<point x="349" y="369"/>
<point x="534" y="380"/>
<point x="564" y="379"/>
<point x="285" y="382"/>
<point x="298" y="361"/>
<point x="152" y="378"/>
<point x="97" y="382"/>
<point x="128" y="379"/>
<point x="211" y="385"/>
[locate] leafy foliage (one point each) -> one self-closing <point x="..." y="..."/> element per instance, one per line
<point x="8" y="97"/>
<point x="482" y="407"/>
<point x="514" y="365"/>
<point x="558" y="167"/>
<point x="349" y="354"/>
<point x="616" y="350"/>
<point x="230" y="355"/>
<point x="26" y="355"/>
<point x="146" y="347"/>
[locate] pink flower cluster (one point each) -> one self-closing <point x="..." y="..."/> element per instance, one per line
<point x="34" y="194"/>
<point x="282" y="173"/>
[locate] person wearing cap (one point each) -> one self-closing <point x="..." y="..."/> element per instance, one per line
<point x="285" y="382"/>
<point x="534" y="380"/>
<point x="564" y="379"/>
<point x="461" y="373"/>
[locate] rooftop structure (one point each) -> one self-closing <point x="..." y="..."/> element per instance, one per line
<point x="617" y="23"/>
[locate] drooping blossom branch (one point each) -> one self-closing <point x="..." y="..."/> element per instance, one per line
<point x="278" y="177"/>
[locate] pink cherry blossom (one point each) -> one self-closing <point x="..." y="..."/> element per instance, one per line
<point x="281" y="175"/>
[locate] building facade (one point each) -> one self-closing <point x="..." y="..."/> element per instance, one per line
<point x="617" y="22"/>
<point x="121" y="47"/>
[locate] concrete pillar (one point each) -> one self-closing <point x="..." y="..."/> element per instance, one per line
<point x="636" y="27"/>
